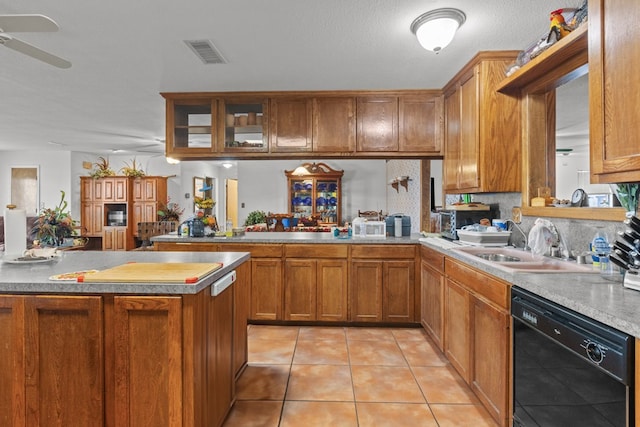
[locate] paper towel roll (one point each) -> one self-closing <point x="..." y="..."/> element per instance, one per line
<point x="15" y="232"/>
<point x="397" y="226"/>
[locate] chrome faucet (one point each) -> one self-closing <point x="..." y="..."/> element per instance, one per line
<point x="524" y="236"/>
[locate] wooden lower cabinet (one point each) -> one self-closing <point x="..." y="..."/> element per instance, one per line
<point x="457" y="329"/>
<point x="382" y="291"/>
<point x="114" y="239"/>
<point x="106" y="360"/>
<point x="315" y="283"/>
<point x="266" y="289"/>
<point x="241" y="314"/>
<point x="52" y="360"/>
<point x="490" y="372"/>
<point x="148" y="329"/>
<point x="432" y="294"/>
<point x="477" y="335"/>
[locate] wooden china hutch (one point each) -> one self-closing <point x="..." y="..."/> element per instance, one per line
<point x="315" y="193"/>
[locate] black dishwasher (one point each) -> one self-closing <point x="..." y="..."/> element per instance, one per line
<point x="569" y="370"/>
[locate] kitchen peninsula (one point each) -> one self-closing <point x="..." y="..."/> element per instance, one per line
<point x="302" y="276"/>
<point x="120" y="353"/>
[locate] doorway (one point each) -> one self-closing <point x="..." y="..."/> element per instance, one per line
<point x="232" y="201"/>
<point x="25" y="191"/>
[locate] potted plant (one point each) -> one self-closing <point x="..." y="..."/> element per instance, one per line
<point x="102" y="169"/>
<point x="132" y="170"/>
<point x="53" y="225"/>
<point x="171" y="211"/>
<point x="628" y="195"/>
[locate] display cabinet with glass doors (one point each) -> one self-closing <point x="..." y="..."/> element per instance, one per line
<point x="245" y="125"/>
<point x="315" y="193"/>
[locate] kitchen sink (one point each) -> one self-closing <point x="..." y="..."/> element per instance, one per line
<point x="515" y="260"/>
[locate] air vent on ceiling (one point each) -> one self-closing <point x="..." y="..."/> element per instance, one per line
<point x="205" y="50"/>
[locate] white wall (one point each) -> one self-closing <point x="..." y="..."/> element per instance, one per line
<point x="262" y="185"/>
<point x="54" y="175"/>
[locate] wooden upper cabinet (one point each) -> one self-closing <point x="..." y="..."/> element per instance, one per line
<point x="483" y="134"/>
<point x="318" y="124"/>
<point x="405" y="123"/>
<point x="420" y="121"/>
<point x="291" y="124"/>
<point x="451" y="166"/>
<point x="191" y="126"/>
<point x="377" y="119"/>
<point x="334" y="124"/>
<point x="614" y="92"/>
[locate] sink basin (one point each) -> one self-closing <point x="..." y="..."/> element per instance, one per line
<point x="514" y="260"/>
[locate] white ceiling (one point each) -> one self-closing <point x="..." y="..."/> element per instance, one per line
<point x="125" y="52"/>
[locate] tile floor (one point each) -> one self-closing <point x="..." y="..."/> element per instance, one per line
<point x="335" y="376"/>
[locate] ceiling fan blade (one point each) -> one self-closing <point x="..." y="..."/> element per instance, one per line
<point x="27" y="23"/>
<point x="34" y="52"/>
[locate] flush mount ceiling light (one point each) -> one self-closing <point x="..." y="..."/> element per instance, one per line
<point x="436" y="29"/>
<point x="227" y="165"/>
<point x="172" y="161"/>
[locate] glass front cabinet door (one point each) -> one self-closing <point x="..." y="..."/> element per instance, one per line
<point x="245" y="125"/>
<point x="192" y="126"/>
<point x="314" y="193"/>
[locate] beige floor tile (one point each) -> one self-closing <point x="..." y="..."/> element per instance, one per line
<point x="319" y="414"/>
<point x="332" y="333"/>
<point x="268" y="332"/>
<point x="462" y="415"/>
<point x="371" y="334"/>
<point x="267" y="352"/>
<point x="254" y="414"/>
<point x="381" y="353"/>
<point x="410" y="334"/>
<point x="320" y="382"/>
<point x="422" y="353"/>
<point x="394" y="415"/>
<point x="321" y="353"/>
<point x="263" y="382"/>
<point x="385" y="384"/>
<point x="442" y="384"/>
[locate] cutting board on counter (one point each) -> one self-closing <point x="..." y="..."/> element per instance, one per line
<point x="153" y="272"/>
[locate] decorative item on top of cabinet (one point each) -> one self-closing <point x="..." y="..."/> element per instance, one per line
<point x="315" y="191"/>
<point x="482" y="133"/>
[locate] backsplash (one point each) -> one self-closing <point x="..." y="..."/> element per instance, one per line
<point x="405" y="200"/>
<point x="578" y="233"/>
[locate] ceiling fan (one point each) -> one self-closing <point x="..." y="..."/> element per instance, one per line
<point x="28" y="24"/>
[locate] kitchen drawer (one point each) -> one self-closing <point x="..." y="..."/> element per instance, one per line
<point x="383" y="251"/>
<point x="256" y="250"/>
<point x="316" y="251"/>
<point x="480" y="284"/>
<point x="185" y="247"/>
<point x="433" y="258"/>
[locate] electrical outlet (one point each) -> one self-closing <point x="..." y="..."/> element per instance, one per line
<point x="242" y="205"/>
<point x="516" y="214"/>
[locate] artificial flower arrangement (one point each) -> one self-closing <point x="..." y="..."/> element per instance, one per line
<point x="132" y="169"/>
<point x="102" y="169"/>
<point x="53" y="225"/>
<point x="171" y="211"/>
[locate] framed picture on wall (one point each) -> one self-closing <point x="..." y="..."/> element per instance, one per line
<point x="198" y="187"/>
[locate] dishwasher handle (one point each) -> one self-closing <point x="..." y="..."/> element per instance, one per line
<point x="223" y="283"/>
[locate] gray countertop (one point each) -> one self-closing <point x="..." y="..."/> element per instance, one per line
<point x="588" y="294"/>
<point x="289" y="237"/>
<point x="34" y="278"/>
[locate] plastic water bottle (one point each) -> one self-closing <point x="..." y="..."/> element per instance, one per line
<point x="600" y="250"/>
